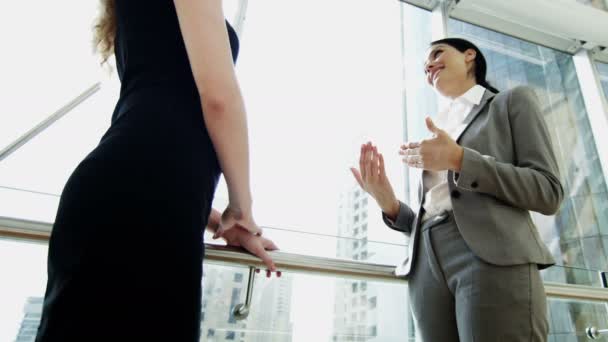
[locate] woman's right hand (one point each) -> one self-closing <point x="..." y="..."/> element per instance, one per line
<point x="371" y="176"/>
<point x="256" y="245"/>
<point x="237" y="216"/>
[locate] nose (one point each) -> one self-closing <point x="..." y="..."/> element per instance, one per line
<point x="430" y="67"/>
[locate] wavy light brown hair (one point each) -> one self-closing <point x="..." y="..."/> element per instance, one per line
<point x="104" y="31"/>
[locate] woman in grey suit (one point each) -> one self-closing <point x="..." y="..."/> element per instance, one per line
<point x="474" y="252"/>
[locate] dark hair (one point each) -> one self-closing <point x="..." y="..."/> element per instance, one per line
<point x="481" y="66"/>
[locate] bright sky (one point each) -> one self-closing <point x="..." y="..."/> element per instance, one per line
<point x="319" y="78"/>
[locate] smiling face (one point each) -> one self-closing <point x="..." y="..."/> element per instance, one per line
<point x="450" y="71"/>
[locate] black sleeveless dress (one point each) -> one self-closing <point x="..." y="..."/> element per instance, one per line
<point x="125" y="255"/>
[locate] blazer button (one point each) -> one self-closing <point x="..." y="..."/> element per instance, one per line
<point x="455" y="193"/>
<point x="474" y="185"/>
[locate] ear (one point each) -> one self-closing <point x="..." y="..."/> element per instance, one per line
<point x="470" y="54"/>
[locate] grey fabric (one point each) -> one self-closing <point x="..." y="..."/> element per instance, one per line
<point x="508" y="169"/>
<point x="455" y="296"/>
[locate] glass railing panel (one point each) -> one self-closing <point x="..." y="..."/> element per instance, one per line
<point x="569" y="319"/>
<point x="22" y="286"/>
<point x="30" y="205"/>
<point x="302" y="307"/>
<point x="298" y="306"/>
<point x="340" y="248"/>
<point x="602" y="70"/>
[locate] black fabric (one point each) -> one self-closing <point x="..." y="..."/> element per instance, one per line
<point x="125" y="255"/>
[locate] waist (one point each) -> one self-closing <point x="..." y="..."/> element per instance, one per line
<point x="437" y="200"/>
<point x="435" y="220"/>
<point x="159" y="96"/>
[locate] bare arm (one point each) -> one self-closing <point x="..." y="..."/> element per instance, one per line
<point x="205" y="35"/>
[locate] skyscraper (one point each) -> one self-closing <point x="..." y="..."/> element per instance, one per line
<point x="367" y="310"/>
<point x="32" y="312"/>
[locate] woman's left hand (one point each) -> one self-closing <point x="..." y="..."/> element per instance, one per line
<point x="438" y="153"/>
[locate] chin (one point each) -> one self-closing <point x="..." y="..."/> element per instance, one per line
<point x="440" y="89"/>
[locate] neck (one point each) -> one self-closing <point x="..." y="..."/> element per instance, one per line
<point x="461" y="88"/>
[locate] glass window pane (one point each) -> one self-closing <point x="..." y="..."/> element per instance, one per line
<point x="60" y="66"/>
<point x="47" y="62"/>
<point x="602" y="69"/>
<point x="45" y="162"/>
<point x="312" y="101"/>
<point x="574" y="234"/>
<point x="599" y="4"/>
<point x="421" y="100"/>
<point x="327" y="89"/>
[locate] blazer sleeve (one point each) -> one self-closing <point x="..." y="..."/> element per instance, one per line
<point x="404" y="221"/>
<point x="532" y="183"/>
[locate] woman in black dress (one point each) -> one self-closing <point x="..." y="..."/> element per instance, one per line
<point x="126" y="251"/>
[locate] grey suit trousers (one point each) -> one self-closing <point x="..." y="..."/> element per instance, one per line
<point x="455" y="296"/>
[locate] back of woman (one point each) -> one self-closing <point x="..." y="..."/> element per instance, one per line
<point x="125" y="254"/>
<point x="150" y="52"/>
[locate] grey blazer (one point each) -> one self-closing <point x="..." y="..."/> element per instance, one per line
<point x="508" y="169"/>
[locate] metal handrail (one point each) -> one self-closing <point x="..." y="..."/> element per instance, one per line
<point x="594" y="333"/>
<point x="61" y="112"/>
<point x="339" y="268"/>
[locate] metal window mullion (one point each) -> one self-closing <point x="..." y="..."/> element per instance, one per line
<point x="46" y="123"/>
<point x="439" y="20"/>
<point x="597" y="109"/>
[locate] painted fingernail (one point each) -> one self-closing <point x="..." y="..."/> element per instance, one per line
<point x="279" y="274"/>
<point x="257" y="270"/>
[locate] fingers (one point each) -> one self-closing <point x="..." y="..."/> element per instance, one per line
<point x="431" y="125"/>
<point x="268" y="272"/>
<point x="433" y="128"/>
<point x="381" y="170"/>
<point x="261" y="253"/>
<point x="367" y="162"/>
<point x="414" y="161"/>
<point x="213" y="222"/>
<point x="258" y="246"/>
<point x="362" y="162"/>
<point x="409" y="145"/>
<point x="269" y="245"/>
<point x="226" y="223"/>
<point x="410" y="151"/>
<point x="218" y="233"/>
<point x="256" y="230"/>
<point x="374" y="164"/>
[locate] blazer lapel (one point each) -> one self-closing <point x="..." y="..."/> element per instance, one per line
<point x="487" y="95"/>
